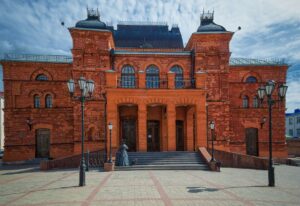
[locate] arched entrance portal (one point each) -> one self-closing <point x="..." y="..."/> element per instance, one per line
<point x="128" y="125"/>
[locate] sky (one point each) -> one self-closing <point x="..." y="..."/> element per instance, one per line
<point x="270" y="28"/>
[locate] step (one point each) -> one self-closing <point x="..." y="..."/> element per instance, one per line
<point x="165" y="161"/>
<point x="163" y="167"/>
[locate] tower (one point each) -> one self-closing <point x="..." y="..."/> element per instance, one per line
<point x="210" y="47"/>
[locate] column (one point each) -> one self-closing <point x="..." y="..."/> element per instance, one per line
<point x="141" y="80"/>
<point x="142" y="128"/>
<point x="171" y="123"/>
<point x="171" y="80"/>
<point x="200" y="80"/>
<point x="112" y="116"/>
<point x="190" y="129"/>
<point x="111" y="78"/>
<point x="201" y="125"/>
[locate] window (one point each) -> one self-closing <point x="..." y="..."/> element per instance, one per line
<point x="245" y="102"/>
<point x="41" y="77"/>
<point x="291" y="133"/>
<point x="291" y="121"/>
<point x="152" y="77"/>
<point x="251" y="79"/>
<point x="128" y="77"/>
<point x="298" y="132"/>
<point x="298" y="120"/>
<point x="255" y="102"/>
<point x="36" y="101"/>
<point x="178" y="76"/>
<point x="48" y="101"/>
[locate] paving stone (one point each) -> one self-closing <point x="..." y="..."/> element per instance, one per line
<point x="230" y="187"/>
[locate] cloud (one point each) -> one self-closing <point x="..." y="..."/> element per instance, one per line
<point x="270" y="28"/>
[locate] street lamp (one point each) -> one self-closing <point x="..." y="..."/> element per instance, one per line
<point x="268" y="90"/>
<point x="212" y="129"/>
<point x="110" y="127"/>
<point x="86" y="90"/>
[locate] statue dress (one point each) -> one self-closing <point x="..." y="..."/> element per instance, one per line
<point x="122" y="156"/>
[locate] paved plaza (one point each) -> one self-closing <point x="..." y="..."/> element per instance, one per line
<point x="29" y="186"/>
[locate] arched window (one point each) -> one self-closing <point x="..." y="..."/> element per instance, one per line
<point x="127" y="77"/>
<point x="36" y="101"/>
<point x="178" y="76"/>
<point x="251" y="79"/>
<point x="48" y="101"/>
<point x="245" y="102"/>
<point x="41" y="77"/>
<point x="152" y="77"/>
<point x="255" y="102"/>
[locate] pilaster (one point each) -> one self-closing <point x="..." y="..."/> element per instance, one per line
<point x="142" y="127"/>
<point x="171" y="122"/>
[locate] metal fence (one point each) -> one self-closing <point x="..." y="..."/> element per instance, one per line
<point x="68" y="59"/>
<point x="161" y="83"/>
<point x="94" y="159"/>
<point x="36" y="58"/>
<point x="249" y="61"/>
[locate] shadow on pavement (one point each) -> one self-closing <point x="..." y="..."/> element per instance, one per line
<point x="206" y="189"/>
<point x="38" y="190"/>
<point x="20" y="171"/>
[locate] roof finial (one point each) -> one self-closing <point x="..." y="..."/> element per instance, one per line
<point x="207" y="16"/>
<point x="93" y="14"/>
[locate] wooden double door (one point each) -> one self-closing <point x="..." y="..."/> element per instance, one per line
<point x="179" y="135"/>
<point x="129" y="133"/>
<point x="153" y="136"/>
<point x="42" y="143"/>
<point x="252" y="141"/>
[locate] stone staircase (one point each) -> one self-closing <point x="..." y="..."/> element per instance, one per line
<point x="164" y="161"/>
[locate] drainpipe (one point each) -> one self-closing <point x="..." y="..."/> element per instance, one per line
<point x="105" y="128"/>
<point x="206" y="108"/>
<point x="193" y="68"/>
<point x="112" y="59"/>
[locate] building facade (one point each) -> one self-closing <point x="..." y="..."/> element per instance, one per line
<point x="158" y="94"/>
<point x="292" y="124"/>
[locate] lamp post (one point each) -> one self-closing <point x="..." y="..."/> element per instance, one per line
<point x="212" y="129"/>
<point x="110" y="127"/>
<point x="268" y="89"/>
<point x="86" y="90"/>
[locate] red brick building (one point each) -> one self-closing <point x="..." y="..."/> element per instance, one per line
<point x="160" y="95"/>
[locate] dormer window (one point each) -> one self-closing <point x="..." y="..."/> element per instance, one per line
<point x="41" y="77"/>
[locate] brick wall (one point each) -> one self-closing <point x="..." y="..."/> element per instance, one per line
<point x="293" y="147"/>
<point x="230" y="159"/>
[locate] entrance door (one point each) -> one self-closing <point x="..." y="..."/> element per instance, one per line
<point x="42" y="143"/>
<point x="179" y="136"/>
<point x="153" y="139"/>
<point x="252" y="141"/>
<point x="129" y="133"/>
